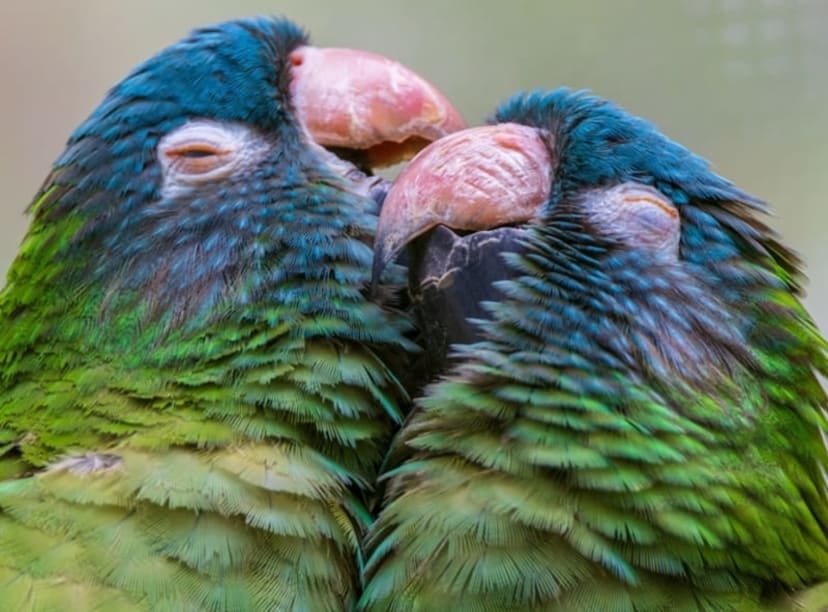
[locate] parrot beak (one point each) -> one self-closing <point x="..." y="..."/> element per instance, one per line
<point x="358" y="100"/>
<point x="474" y="180"/>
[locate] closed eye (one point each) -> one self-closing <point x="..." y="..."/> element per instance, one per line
<point x="195" y="152"/>
<point x="204" y="151"/>
<point x="637" y="215"/>
<point x="197" y="158"/>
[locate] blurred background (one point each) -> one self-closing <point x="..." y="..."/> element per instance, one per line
<point x="742" y="82"/>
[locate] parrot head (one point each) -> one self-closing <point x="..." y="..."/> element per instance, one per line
<point x="541" y="165"/>
<point x="217" y="173"/>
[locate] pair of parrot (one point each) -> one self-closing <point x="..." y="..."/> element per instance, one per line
<point x="598" y="393"/>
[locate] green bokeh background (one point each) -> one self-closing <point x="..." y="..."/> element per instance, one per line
<point x="742" y="82"/>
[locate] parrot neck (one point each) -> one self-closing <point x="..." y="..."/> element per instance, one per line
<point x="626" y="395"/>
<point x="262" y="331"/>
<point x="644" y="317"/>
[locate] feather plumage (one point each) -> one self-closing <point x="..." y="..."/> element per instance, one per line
<point x="620" y="430"/>
<point x="193" y="398"/>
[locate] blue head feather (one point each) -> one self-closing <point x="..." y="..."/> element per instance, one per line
<point x="596" y="143"/>
<point x="224" y="72"/>
<point x="599" y="144"/>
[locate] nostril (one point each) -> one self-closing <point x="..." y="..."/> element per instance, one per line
<point x="296" y="58"/>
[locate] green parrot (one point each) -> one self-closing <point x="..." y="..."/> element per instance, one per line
<point x="194" y="400"/>
<point x="629" y="417"/>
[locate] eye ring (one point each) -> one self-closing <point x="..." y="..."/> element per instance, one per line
<point x="197" y="157"/>
<point x="203" y="151"/>
<point x="637" y="215"/>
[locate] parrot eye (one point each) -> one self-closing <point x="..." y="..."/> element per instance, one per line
<point x="206" y="151"/>
<point x="197" y="158"/>
<point x="637" y="215"/>
<point x="197" y="151"/>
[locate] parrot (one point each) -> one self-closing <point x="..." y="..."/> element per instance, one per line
<point x="626" y="412"/>
<point x="194" y="402"/>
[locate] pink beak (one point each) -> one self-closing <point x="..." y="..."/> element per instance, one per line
<point x="360" y="100"/>
<point x="473" y="180"/>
